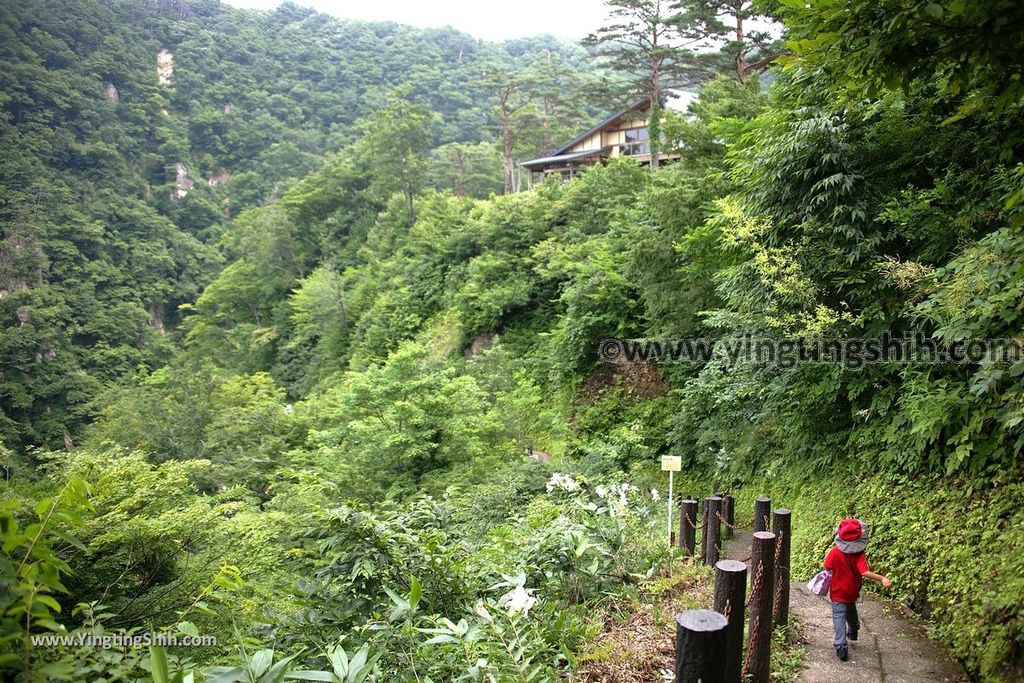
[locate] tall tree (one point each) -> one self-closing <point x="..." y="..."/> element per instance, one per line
<point x="395" y="144"/>
<point x="466" y="169"/>
<point x="555" y="86"/>
<point x="643" y="42"/>
<point x="735" y="26"/>
<point x="512" y="99"/>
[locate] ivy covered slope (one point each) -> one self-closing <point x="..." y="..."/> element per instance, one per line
<point x="133" y="133"/>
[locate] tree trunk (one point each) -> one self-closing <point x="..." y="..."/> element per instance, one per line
<point x="741" y="56"/>
<point x="459" y="161"/>
<point x="506" y="153"/>
<point x="548" y="108"/>
<point x="410" y="212"/>
<point x="654" y="123"/>
<point x="545" y="136"/>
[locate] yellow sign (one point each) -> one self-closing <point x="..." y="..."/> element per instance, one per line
<point x="671" y="463"/>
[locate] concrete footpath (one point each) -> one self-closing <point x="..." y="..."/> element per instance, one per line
<point x="893" y="648"/>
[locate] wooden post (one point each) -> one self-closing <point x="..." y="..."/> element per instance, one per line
<point x="688" y="525"/>
<point x="762" y="586"/>
<point x="781" y="526"/>
<point x="703" y="528"/>
<point x="762" y="513"/>
<point x="729" y="514"/>
<point x="700" y="646"/>
<point x="730" y="594"/>
<point x="713" y="530"/>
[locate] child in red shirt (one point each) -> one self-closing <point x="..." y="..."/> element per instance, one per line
<point x="848" y="565"/>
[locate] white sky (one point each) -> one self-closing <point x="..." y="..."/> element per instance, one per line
<point x="486" y="19"/>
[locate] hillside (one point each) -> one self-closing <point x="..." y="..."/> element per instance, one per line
<point x="321" y="462"/>
<point x="134" y="132"/>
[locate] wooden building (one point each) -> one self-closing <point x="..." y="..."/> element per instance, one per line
<point x="622" y="134"/>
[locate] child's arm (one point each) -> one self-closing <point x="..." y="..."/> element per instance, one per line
<point x="879" y="578"/>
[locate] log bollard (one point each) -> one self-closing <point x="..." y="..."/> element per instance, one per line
<point x="729" y="513"/>
<point x="781" y="526"/>
<point x="688" y="525"/>
<point x="762" y="585"/>
<point x="730" y="593"/>
<point x="703" y="528"/>
<point x="762" y="513"/>
<point x="712" y="530"/>
<point x="700" y="646"/>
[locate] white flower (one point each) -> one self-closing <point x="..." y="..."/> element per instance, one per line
<point x="655" y="496"/>
<point x="562" y="481"/>
<point x="601" y="491"/>
<point x="618" y="497"/>
<point x="519" y="601"/>
<point x="481" y="610"/>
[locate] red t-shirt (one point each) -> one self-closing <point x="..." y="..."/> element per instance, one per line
<point x="847" y="573"/>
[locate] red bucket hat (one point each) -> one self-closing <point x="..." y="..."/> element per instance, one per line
<point x="852" y="536"/>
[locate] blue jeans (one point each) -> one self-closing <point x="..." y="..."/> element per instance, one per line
<point x="844" y="614"/>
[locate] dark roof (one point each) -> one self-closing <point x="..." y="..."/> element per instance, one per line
<point x="633" y="107"/>
<point x="546" y="161"/>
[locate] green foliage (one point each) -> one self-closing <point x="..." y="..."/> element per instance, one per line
<point x="408" y="416"/>
<point x="319" y="449"/>
<point x="119" y="187"/>
<point x="393" y="147"/>
<point x="241" y="424"/>
<point x="343" y="668"/>
<point x="32" y="569"/>
<point x="494" y="286"/>
<point x="467" y="170"/>
<point x="866" y="47"/>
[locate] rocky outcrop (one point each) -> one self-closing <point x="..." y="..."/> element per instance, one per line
<point x="12" y="251"/>
<point x="110" y="93"/>
<point x="182" y="183"/>
<point x="480" y="343"/>
<point x="156" y="317"/>
<point x="219" y="178"/>
<point x="165" y="68"/>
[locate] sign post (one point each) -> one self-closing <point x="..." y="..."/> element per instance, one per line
<point x="671" y="464"/>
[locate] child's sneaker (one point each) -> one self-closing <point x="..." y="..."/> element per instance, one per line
<point x="842" y="653"/>
<point x="851" y="635"/>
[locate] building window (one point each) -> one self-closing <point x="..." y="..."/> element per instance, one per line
<point x="636" y="134"/>
<point x="636" y="142"/>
